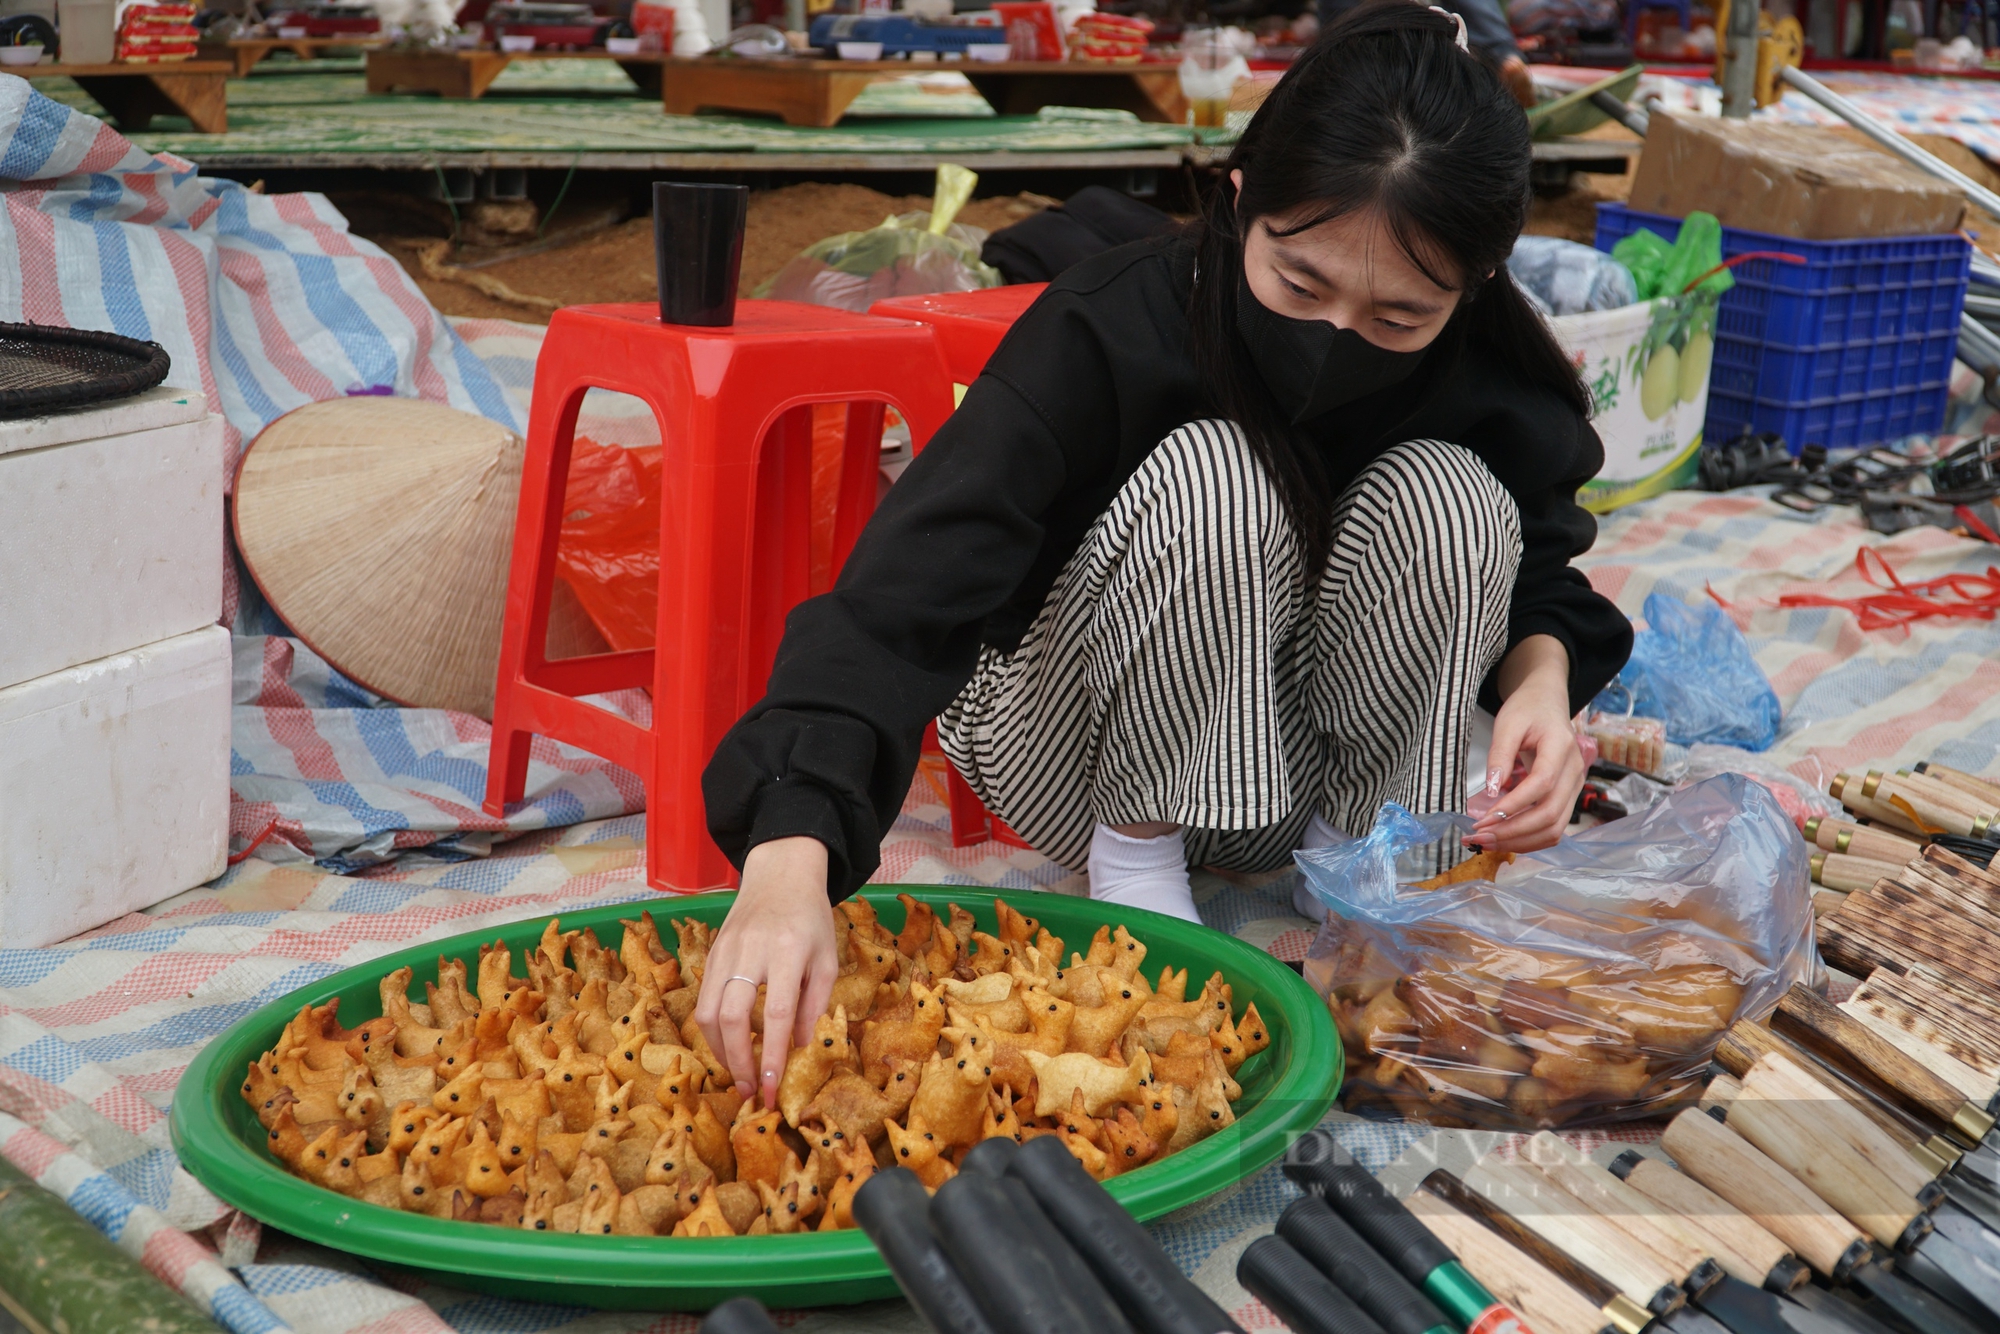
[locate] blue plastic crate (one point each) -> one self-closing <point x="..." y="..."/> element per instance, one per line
<point x="1854" y="347"/>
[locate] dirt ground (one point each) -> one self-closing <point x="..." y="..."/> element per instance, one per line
<point x="596" y="256"/>
<point x="615" y="263"/>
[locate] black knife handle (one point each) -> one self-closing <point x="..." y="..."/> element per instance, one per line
<point x="1326" y="1169"/>
<point x="990" y="1157"/>
<point x="893" y="1209"/>
<point x="990" y="1246"/>
<point x="1338" y="1251"/>
<point x="1297" y="1293"/>
<point x="1156" y="1296"/>
<point x="740" y="1315"/>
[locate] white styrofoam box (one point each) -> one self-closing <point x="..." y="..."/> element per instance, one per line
<point x="114" y="786"/>
<point x="110" y="530"/>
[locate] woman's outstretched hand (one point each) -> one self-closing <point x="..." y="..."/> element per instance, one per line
<point x="779" y="933"/>
<point x="1533" y="723"/>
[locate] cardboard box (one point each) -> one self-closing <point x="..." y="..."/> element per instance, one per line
<point x="1794" y="180"/>
<point x="114" y="786"/>
<point x="110" y="530"/>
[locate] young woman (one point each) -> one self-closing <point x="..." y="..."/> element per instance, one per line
<point x="1221" y="551"/>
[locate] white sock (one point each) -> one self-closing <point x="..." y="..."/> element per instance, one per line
<point x="1319" y="834"/>
<point x="1141" y="872"/>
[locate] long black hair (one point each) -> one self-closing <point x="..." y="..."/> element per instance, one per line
<point x="1383" y="112"/>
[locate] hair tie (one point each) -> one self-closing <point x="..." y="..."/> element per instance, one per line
<point x="1459" y="19"/>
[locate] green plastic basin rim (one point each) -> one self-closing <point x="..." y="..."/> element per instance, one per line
<point x="1287" y="1090"/>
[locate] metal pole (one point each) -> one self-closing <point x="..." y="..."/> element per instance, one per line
<point x="1624" y="113"/>
<point x="1739" y="70"/>
<point x="1889" y="139"/>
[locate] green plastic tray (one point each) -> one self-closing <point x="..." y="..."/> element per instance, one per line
<point x="1286" y="1089"/>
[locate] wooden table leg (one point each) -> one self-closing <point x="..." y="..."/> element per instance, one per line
<point x="816" y="98"/>
<point x="645" y="73"/>
<point x="134" y="99"/>
<point x="1149" y="95"/>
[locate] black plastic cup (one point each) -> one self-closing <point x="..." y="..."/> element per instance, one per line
<point x="698" y="243"/>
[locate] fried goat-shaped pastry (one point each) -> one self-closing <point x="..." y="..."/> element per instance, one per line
<point x="1094" y="1160"/>
<point x="849" y="1100"/>
<point x="1127" y="1145"/>
<point x="451" y="1001"/>
<point x="692" y="940"/>
<point x="995" y="998"/>
<point x="1000" y="1120"/>
<point x="1095" y="1028"/>
<point x="706" y="1220"/>
<point x="1100" y="1084"/>
<point x="856" y="1166"/>
<point x="855" y="991"/>
<point x="496" y="975"/>
<point x="810" y="1066"/>
<point x="989" y="954"/>
<point x="914" y="1040"/>
<point x="951" y="1098"/>
<point x="645" y="958"/>
<point x="482" y="1168"/>
<point x="644" y="1210"/>
<point x="547" y="1189"/>
<point x="711" y="1143"/>
<point x="1015" y="928"/>
<point x="919" y="924"/>
<point x="1202" y="1112"/>
<point x="760" y="1153"/>
<point x="918" y="1149"/>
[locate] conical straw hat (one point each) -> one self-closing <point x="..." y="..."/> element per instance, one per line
<point x="380" y="530"/>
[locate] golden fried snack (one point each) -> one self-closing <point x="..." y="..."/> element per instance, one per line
<point x="582" y="1098"/>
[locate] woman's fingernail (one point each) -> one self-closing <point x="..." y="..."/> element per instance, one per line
<point x="743" y="1090"/>
<point x="1492" y="782"/>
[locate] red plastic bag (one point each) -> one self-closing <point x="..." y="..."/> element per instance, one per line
<point x="609" y="553"/>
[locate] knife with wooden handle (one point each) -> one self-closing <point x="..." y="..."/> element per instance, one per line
<point x="1820" y="1025"/>
<point x="1779" y="1078"/>
<point x="1743" y="1247"/>
<point x="1554" y="1215"/>
<point x="1739" y="1049"/>
<point x="1657" y="1230"/>
<point x="1792" y="1135"/>
<point x="1831" y="834"/>
<point x="1511" y="1274"/>
<point x="1736" y="1170"/>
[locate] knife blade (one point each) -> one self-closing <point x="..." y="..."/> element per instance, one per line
<point x="1740" y="1306"/>
<point x="1956" y="1274"/>
<point x="1687" y="1320"/>
<point x="1969" y="1229"/>
<point x="1909" y="1302"/>
<point x="1828" y="1305"/>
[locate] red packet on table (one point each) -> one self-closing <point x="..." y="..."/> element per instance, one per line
<point x="1032" y="30"/>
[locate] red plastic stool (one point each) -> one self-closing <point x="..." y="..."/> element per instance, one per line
<point x="969" y="325"/>
<point x="969" y="328"/>
<point x="734" y="411"/>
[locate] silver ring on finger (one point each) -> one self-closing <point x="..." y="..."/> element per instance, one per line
<point x="738" y="977"/>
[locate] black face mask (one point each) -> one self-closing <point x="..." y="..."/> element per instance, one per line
<point x="1311" y="367"/>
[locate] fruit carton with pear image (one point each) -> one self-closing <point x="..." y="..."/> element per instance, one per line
<point x="1646" y="366"/>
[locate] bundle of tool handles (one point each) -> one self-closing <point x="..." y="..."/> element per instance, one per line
<point x="1828" y="1183"/>
<point x="1023" y="1241"/>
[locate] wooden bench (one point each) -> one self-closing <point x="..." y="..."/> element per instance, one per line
<point x="135" y="93"/>
<point x="818" y="92"/>
<point x="468" y="74"/>
<point x="245" y="52"/>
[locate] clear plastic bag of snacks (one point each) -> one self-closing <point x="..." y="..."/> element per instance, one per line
<point x="1583" y="984"/>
